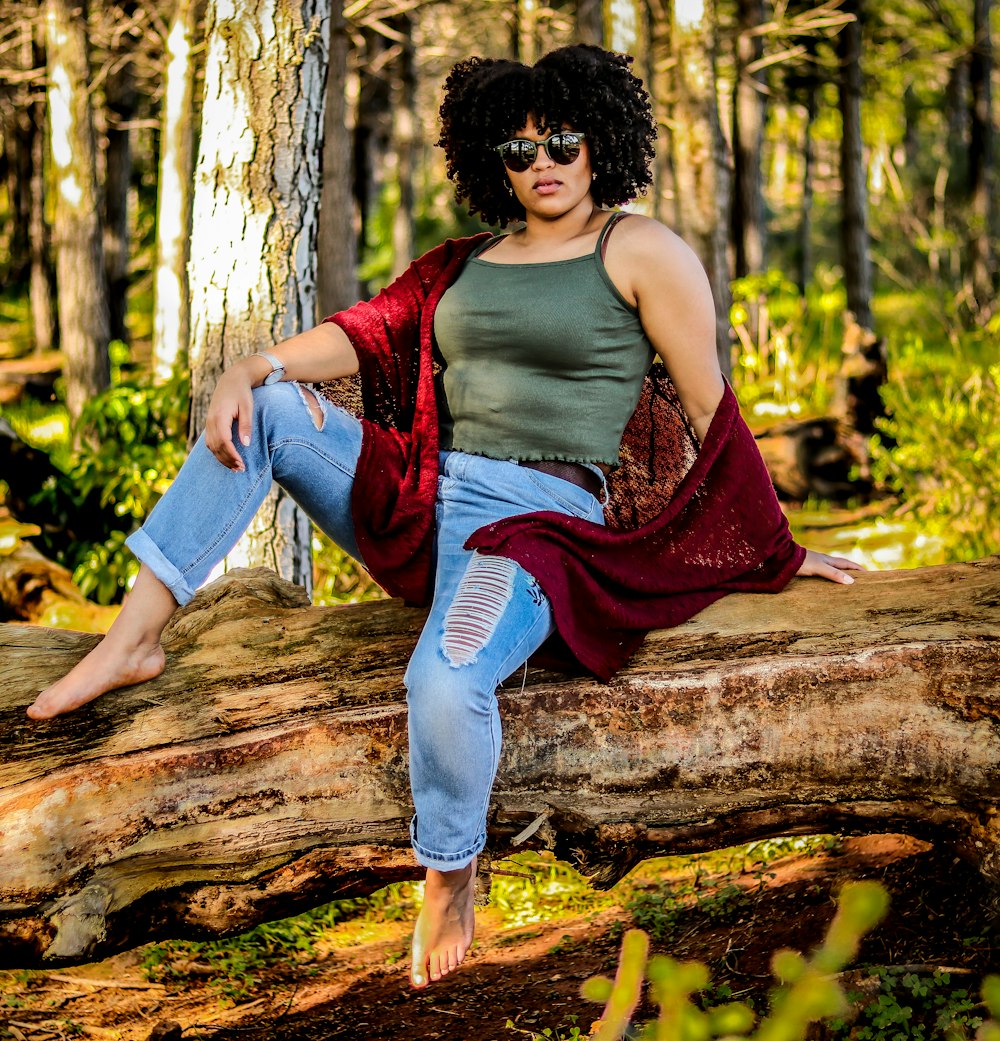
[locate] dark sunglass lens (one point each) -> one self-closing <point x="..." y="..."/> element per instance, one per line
<point x="564" y="148"/>
<point x="519" y="155"/>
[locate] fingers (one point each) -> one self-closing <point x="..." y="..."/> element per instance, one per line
<point x="834" y="569"/>
<point x="232" y="407"/>
<point x="834" y="574"/>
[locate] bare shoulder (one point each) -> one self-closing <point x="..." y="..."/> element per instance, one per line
<point x="645" y="256"/>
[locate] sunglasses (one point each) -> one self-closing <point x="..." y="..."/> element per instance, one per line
<point x="562" y="147"/>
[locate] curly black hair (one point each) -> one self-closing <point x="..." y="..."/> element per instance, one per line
<point x="488" y="100"/>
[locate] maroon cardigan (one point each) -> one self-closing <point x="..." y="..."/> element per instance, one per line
<point x="685" y="525"/>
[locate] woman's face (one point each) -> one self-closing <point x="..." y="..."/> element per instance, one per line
<point x="548" y="189"/>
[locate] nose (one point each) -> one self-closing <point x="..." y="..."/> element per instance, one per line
<point x="540" y="163"/>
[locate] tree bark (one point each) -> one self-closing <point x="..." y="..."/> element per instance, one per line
<point x="337" y="278"/>
<point x="120" y="101"/>
<point x="590" y="22"/>
<point x="404" y="132"/>
<point x="256" y="207"/>
<point x="854" y="193"/>
<point x="172" y="313"/>
<point x="749" y="114"/>
<point x="43" y="320"/>
<point x="265" y="770"/>
<point x="701" y="162"/>
<point x="82" y="296"/>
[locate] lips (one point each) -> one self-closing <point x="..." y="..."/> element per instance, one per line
<point x="546" y="187"/>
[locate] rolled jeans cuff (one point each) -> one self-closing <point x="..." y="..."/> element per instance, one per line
<point x="443" y="861"/>
<point x="148" y="553"/>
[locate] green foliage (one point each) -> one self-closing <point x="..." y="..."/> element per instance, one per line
<point x="807" y="990"/>
<point x="133" y="439"/>
<point x="945" y="464"/>
<point x="912" y="1006"/>
<point x="554" y="890"/>
<point x="337" y="578"/>
<point x="233" y="965"/>
<point x="788" y="347"/>
<point x="130" y="442"/>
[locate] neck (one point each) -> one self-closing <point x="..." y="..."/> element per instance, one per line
<point x="540" y="229"/>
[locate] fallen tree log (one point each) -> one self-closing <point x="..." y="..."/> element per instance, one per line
<point x="265" y="771"/>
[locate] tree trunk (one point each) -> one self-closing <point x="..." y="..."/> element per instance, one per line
<point x="700" y="160"/>
<point x="172" y="315"/>
<point x="590" y="22"/>
<point x="854" y="196"/>
<point x="120" y="100"/>
<point x="256" y="208"/>
<point x="265" y="770"/>
<point x="804" y="229"/>
<point x="404" y="130"/>
<point x="82" y="296"/>
<point x="749" y="115"/>
<point x="373" y="129"/>
<point x="981" y="159"/>
<point x="43" y="319"/>
<point x="337" y="280"/>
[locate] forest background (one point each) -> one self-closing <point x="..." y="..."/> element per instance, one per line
<point x="834" y="166"/>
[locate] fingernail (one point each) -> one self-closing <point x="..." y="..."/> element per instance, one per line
<point x="848" y="580"/>
<point x="246" y="440"/>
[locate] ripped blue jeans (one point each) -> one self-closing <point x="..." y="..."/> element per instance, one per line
<point x="487" y="617"/>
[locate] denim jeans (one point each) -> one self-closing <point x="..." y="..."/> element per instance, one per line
<point x="488" y="614"/>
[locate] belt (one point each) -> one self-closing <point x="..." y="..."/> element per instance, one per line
<point x="575" y="473"/>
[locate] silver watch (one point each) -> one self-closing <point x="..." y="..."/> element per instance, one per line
<point x="277" y="368"/>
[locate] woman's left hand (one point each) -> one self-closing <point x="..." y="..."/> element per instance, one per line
<point x="824" y="566"/>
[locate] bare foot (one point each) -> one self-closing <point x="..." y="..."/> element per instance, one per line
<point x="445" y="924"/>
<point x="107" y="667"/>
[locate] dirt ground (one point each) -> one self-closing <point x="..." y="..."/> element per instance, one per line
<point x="530" y="975"/>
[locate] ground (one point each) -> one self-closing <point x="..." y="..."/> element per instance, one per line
<point x="527" y="973"/>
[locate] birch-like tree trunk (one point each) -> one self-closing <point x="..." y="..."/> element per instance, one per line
<point x="749" y="115"/>
<point x="700" y="159"/>
<point x="256" y="211"/>
<point x="981" y="157"/>
<point x="171" y="314"/>
<point x="82" y="294"/>
<point x="854" y="198"/>
<point x="337" y="279"/>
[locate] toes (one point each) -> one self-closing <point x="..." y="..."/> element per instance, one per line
<point x="418" y="973"/>
<point x="435" y="966"/>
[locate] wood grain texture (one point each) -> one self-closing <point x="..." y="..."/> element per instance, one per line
<point x="266" y="770"/>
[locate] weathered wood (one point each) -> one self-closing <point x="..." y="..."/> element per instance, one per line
<point x="266" y="769"/>
<point x="36" y="589"/>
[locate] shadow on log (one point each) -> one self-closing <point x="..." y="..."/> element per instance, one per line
<point x="266" y="771"/>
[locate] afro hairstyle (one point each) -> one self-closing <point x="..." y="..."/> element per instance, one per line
<point x="488" y="100"/>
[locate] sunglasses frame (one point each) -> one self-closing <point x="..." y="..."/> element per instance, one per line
<point x="544" y="143"/>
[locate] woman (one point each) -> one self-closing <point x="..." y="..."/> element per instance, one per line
<point x="544" y="336"/>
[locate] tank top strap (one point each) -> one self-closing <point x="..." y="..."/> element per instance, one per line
<point x="602" y="240"/>
<point x="486" y="245"/>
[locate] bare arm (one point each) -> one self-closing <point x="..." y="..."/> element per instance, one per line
<point x="323" y="353"/>
<point x="663" y="276"/>
<point x="666" y="281"/>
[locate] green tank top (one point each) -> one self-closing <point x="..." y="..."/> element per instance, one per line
<point x="542" y="361"/>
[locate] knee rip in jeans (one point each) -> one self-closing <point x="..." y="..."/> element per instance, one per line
<point x="311" y="402"/>
<point x="471" y="620"/>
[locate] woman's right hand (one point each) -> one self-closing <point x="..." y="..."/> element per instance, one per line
<point x="231" y="403"/>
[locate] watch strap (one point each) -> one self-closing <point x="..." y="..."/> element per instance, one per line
<point x="277" y="368"/>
